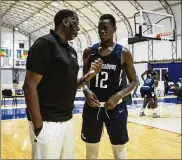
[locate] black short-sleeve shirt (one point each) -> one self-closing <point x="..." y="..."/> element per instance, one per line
<point x="57" y="62"/>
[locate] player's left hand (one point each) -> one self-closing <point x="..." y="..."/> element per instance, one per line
<point x="112" y="102"/>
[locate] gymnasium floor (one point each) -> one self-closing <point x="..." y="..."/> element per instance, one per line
<point x="149" y="138"/>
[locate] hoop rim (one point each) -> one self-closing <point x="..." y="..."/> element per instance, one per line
<point x="165" y="36"/>
<point x="164" y="33"/>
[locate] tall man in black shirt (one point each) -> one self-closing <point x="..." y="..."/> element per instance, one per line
<point x="50" y="87"/>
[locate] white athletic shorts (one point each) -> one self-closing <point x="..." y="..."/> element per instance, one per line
<point x="55" y="141"/>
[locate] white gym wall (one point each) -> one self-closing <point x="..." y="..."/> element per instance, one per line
<point x="7" y="39"/>
<point x="7" y="42"/>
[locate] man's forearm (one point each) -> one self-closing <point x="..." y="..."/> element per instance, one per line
<point x="127" y="90"/>
<point x="80" y="82"/>
<point x="33" y="107"/>
<point x="84" y="79"/>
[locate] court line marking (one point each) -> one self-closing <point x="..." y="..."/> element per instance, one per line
<point x="149" y="127"/>
<point x="11" y="107"/>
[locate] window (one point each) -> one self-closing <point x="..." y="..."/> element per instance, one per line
<point x="21" y="45"/>
<point x="161" y="72"/>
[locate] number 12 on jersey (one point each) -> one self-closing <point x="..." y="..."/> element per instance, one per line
<point x="100" y="82"/>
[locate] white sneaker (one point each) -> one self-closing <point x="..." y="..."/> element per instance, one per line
<point x="155" y="115"/>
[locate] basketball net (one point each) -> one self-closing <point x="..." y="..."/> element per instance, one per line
<point x="164" y="36"/>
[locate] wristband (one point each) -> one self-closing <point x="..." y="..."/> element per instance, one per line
<point x="83" y="81"/>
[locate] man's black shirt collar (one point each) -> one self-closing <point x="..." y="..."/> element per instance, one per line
<point x="59" y="39"/>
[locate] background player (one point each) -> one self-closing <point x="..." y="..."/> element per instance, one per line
<point x="135" y="91"/>
<point x="166" y="81"/>
<point x="150" y="73"/>
<point x="148" y="93"/>
<point x="110" y="86"/>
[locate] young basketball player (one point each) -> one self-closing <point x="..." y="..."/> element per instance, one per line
<point x="150" y="73"/>
<point x="148" y="93"/>
<point x="105" y="96"/>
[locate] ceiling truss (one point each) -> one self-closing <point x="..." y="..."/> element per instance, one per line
<point x="38" y="25"/>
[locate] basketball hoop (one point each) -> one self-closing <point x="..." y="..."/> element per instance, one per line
<point x="166" y="36"/>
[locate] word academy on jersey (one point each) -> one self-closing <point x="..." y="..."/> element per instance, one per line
<point x="109" y="66"/>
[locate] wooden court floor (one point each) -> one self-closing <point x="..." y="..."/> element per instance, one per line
<point x="146" y="142"/>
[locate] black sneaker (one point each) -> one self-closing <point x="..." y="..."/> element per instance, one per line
<point x="142" y="114"/>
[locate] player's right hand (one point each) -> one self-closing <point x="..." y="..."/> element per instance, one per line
<point x="91" y="98"/>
